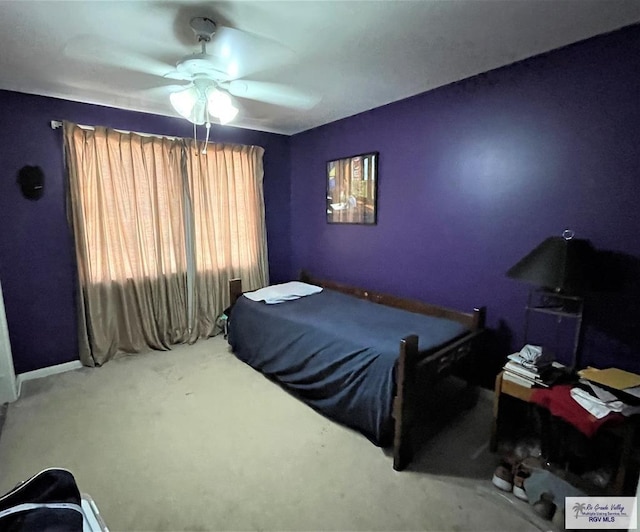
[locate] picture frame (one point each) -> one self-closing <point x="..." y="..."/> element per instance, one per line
<point x="352" y="189"/>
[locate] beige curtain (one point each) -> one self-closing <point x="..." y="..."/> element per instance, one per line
<point x="160" y="228"/>
<point x="229" y="233"/>
<point x="127" y="212"/>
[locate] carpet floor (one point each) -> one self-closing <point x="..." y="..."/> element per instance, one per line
<point x="193" y="439"/>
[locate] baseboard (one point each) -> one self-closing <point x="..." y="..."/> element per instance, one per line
<point x="45" y="372"/>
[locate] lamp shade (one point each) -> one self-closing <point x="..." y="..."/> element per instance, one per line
<point x="201" y="99"/>
<point x="558" y="263"/>
<point x="190" y="103"/>
<point x="221" y="106"/>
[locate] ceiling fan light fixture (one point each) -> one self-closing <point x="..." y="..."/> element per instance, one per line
<point x="218" y="100"/>
<point x="190" y="104"/>
<point x="228" y="114"/>
<point x="221" y="106"/>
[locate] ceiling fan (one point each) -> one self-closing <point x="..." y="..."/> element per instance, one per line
<point x="214" y="80"/>
<point x="216" y="76"/>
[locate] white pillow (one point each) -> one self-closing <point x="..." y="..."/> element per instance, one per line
<point x="279" y="293"/>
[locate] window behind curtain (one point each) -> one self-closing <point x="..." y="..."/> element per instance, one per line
<point x="229" y="234"/>
<point x="159" y="230"/>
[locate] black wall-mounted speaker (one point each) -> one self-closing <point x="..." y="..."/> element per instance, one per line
<point x="31" y="181"/>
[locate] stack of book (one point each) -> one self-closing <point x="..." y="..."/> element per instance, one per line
<point x="528" y="373"/>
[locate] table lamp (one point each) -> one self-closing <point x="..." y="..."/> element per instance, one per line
<point x="560" y="264"/>
<point x="560" y="268"/>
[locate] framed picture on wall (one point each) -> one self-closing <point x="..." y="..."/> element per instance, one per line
<point x="352" y="189"/>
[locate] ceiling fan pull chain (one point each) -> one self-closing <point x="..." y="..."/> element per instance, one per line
<point x="206" y="142"/>
<point x="207" y="124"/>
<point x="195" y="137"/>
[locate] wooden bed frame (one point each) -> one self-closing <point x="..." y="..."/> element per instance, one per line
<point x="414" y="370"/>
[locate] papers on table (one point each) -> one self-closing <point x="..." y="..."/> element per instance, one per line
<point x="531" y="366"/>
<point x="612" y="377"/>
<point x="601" y="393"/>
<point x="601" y="401"/>
<point x="635" y="391"/>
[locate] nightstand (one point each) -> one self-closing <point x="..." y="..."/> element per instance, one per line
<point x="625" y="432"/>
<point x="503" y="387"/>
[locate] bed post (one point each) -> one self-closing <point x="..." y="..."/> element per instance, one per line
<point x="403" y="403"/>
<point x="479" y="316"/>
<point x="235" y="291"/>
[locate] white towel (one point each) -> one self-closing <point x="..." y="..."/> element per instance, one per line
<point x="278" y="293"/>
<point x="591" y="404"/>
<point x="600" y="408"/>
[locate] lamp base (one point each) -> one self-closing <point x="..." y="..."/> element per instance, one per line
<point x="557" y="301"/>
<point x="561" y="306"/>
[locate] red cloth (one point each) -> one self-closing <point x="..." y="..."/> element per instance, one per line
<point x="559" y="402"/>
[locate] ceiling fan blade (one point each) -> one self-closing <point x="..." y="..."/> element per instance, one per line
<point x="162" y="91"/>
<point x="177" y="75"/>
<point x="273" y="93"/>
<point x="95" y="50"/>
<point x="242" y="53"/>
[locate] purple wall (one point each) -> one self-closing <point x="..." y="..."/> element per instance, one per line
<point x="37" y="264"/>
<point x="473" y="175"/>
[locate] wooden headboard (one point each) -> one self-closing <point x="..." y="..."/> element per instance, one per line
<point x="472" y="320"/>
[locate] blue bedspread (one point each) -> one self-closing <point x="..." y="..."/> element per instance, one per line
<point x="334" y="351"/>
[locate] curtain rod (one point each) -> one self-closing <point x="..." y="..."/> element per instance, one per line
<point x="56" y="124"/>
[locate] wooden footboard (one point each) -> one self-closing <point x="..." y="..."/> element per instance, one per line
<point x="414" y="370"/>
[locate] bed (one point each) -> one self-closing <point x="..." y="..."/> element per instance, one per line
<point x="357" y="356"/>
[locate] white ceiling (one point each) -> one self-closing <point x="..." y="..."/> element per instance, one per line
<point x="354" y="55"/>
